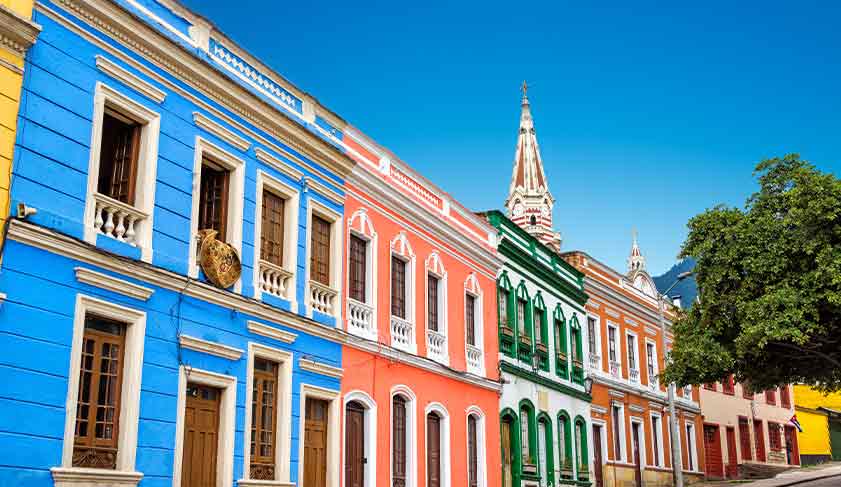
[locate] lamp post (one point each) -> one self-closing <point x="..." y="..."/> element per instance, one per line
<point x="677" y="462"/>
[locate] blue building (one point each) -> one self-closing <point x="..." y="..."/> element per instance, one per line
<point x="141" y="128"/>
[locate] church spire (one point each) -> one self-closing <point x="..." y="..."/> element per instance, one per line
<point x="529" y="201"/>
<point x="636" y="262"/>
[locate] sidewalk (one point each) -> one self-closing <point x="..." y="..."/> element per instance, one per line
<point x="791" y="477"/>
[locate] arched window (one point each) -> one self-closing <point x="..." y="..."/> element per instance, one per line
<point x="509" y="442"/>
<point x="581" y="458"/>
<point x="476" y="458"/>
<point x="505" y="304"/>
<point x="437" y="446"/>
<point x="546" y="453"/>
<point x="360" y="440"/>
<point x="559" y="327"/>
<point x="399" y="443"/>
<point x="576" y="349"/>
<point x="541" y="331"/>
<point x="525" y="331"/>
<point x="528" y="437"/>
<point x="565" y="445"/>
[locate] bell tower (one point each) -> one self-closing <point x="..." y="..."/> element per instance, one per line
<point x="529" y="203"/>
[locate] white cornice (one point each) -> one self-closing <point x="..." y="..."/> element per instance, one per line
<point x="325" y="191"/>
<point x="76" y="477"/>
<point x="120" y="74"/>
<point x="271" y="332"/>
<point x="133" y="33"/>
<point x="17" y="34"/>
<point x="111" y="283"/>
<point x="636" y="409"/>
<point x="266" y="158"/>
<point x="213" y="348"/>
<point x="598" y="409"/>
<point x="202" y="121"/>
<point x="319" y="368"/>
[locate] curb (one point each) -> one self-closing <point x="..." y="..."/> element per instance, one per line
<point x="799" y="482"/>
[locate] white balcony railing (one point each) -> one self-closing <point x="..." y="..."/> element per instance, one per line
<point x="322" y="298"/>
<point x="634" y="375"/>
<point x="275" y="280"/>
<point x="474" y="360"/>
<point x="402" y="334"/>
<point x="436" y="345"/>
<point x="653" y="382"/>
<point x="117" y="220"/>
<point x="615" y="370"/>
<point x="595" y="362"/>
<point x="360" y="319"/>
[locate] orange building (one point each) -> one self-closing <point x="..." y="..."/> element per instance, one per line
<point x="630" y="414"/>
<point x="420" y="390"/>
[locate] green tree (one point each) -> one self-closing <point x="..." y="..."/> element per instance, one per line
<point x="769" y="280"/>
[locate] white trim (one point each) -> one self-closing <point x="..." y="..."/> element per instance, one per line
<point x="227" y="422"/>
<point x="333" y="432"/>
<point x="291" y="210"/>
<point x="636" y="351"/>
<point x="439" y="408"/>
<point x="271" y="332"/>
<point x="147" y="164"/>
<point x="336" y="250"/>
<point x="472" y="287"/>
<point x="433" y="266"/>
<point x="401" y="248"/>
<point x="602" y="424"/>
<point x="370" y="435"/>
<point x="481" y="443"/>
<point x="623" y="434"/>
<point x="110" y="283"/>
<point x="236" y="184"/>
<point x="206" y="346"/>
<point x="657" y="433"/>
<point x="692" y="439"/>
<point x="643" y="453"/>
<point x="656" y="363"/>
<point x="283" y="408"/>
<point x="128" y="78"/>
<point x="324" y="191"/>
<point x="277" y="164"/>
<point x="91" y="477"/>
<point x="320" y="368"/>
<point x="411" y="433"/>
<point x="367" y="233"/>
<point x="210" y="126"/>
<point x="135" y="321"/>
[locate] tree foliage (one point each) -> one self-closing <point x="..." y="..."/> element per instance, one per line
<point x="769" y="279"/>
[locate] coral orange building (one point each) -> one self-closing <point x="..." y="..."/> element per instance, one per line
<point x="420" y="389"/>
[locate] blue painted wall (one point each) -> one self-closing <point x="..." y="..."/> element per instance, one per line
<point x="50" y="173"/>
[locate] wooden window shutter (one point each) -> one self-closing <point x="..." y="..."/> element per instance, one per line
<point x="213" y="199"/>
<point x="264" y="395"/>
<point x="398" y="287"/>
<point x="398" y="435"/>
<point x="100" y="387"/>
<point x="118" y="154"/>
<point x="271" y="231"/>
<point x="357" y="267"/>
<point x="432" y="302"/>
<point x="470" y="318"/>
<point x="320" y="250"/>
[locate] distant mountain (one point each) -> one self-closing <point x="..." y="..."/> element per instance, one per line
<point x="686" y="289"/>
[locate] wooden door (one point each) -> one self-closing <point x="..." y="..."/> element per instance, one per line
<point x="507" y="473"/>
<point x="835" y="439"/>
<point x="744" y="439"/>
<point x="712" y="451"/>
<point x="759" y="439"/>
<point x="597" y="454"/>
<point x="635" y="435"/>
<point x="433" y="450"/>
<point x="792" y="452"/>
<point x="315" y="443"/>
<point x="201" y="436"/>
<point x="732" y="459"/>
<point x="354" y="445"/>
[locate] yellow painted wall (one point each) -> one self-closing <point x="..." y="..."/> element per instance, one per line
<point x="10" y="85"/>
<point x="814" y="440"/>
<point x="807" y="397"/>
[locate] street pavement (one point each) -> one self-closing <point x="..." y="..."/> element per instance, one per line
<point x="826" y="476"/>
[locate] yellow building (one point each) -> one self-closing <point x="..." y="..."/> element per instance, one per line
<point x="17" y="34"/>
<point x="820" y="417"/>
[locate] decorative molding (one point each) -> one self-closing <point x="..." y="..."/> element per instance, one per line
<point x="325" y="191"/>
<point x="265" y="157"/>
<point x="540" y="380"/>
<point x="616" y="393"/>
<point x="82" y="477"/>
<point x="636" y="409"/>
<point x="651" y="330"/>
<point x="631" y="322"/>
<point x="17" y="34"/>
<point x="203" y="121"/>
<point x="598" y="409"/>
<point x="612" y="313"/>
<point x="271" y="332"/>
<point x="319" y="368"/>
<point x="212" y="348"/>
<point x="120" y="74"/>
<point x="104" y="281"/>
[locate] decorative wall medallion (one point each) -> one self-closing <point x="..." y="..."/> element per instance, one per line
<point x="218" y="260"/>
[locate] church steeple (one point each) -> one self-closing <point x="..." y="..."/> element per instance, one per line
<point x="529" y="201"/>
<point x="636" y="262"/>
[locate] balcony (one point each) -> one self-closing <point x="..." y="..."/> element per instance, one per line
<point x="595" y="362"/>
<point x="474" y="360"/>
<point x="276" y="280"/>
<point x="634" y="375"/>
<point x="360" y="319"/>
<point x="402" y="335"/>
<point x="117" y="220"/>
<point x="615" y="370"/>
<point x="323" y="298"/>
<point x="436" y="346"/>
<point x="653" y="382"/>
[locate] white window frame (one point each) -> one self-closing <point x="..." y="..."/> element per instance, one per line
<point x="598" y="337"/>
<point x="655" y="358"/>
<point x="135" y="321"/>
<point x="236" y="184"/>
<point x="227" y="422"/>
<point x="481" y="443"/>
<point x="370" y="426"/>
<point x="283" y="409"/>
<point x="401" y="249"/>
<point x="617" y="335"/>
<point x="657" y="433"/>
<point x="635" y="349"/>
<point x="265" y="182"/>
<point x="604" y="446"/>
<point x="690" y="440"/>
<point x="623" y="446"/>
<point x="366" y="232"/>
<point x="334" y="431"/>
<point x="472" y="287"/>
<point x="644" y="461"/>
<point x="147" y="162"/>
<point x="439" y="408"/>
<point x="435" y="267"/>
<point x="335" y="218"/>
<point x="411" y="433"/>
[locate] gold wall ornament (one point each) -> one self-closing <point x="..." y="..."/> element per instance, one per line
<point x="218" y="260"/>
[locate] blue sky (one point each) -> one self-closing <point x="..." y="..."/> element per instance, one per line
<point x="646" y="114"/>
